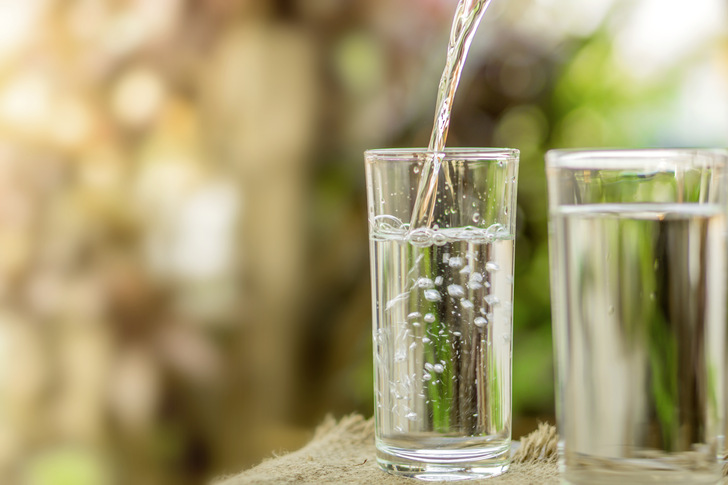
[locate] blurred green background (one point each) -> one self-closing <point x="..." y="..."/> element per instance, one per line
<point x="184" y="272"/>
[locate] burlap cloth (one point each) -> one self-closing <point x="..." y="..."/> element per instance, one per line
<point x="343" y="453"/>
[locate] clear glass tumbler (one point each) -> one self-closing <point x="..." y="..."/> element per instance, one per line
<point x="638" y="290"/>
<point x="442" y="305"/>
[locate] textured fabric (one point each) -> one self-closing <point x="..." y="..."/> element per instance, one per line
<point x="343" y="453"/>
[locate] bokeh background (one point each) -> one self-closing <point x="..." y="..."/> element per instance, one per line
<point x="184" y="282"/>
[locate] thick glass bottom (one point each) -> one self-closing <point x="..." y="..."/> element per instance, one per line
<point x="603" y="471"/>
<point x="444" y="465"/>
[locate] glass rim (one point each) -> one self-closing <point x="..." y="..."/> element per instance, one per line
<point x="630" y="158"/>
<point x="451" y="153"/>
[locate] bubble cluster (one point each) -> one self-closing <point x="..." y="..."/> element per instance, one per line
<point x="386" y="225"/>
<point x="438" y="285"/>
<point x="475" y="281"/>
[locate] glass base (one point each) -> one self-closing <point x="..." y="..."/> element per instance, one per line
<point x="646" y="478"/>
<point x="444" y="465"/>
<point x="638" y="472"/>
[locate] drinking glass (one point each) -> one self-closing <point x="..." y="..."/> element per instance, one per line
<point x="442" y="305"/>
<point x="638" y="290"/>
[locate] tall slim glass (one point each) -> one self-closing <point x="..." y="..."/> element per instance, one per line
<point x="442" y="306"/>
<point x="638" y="289"/>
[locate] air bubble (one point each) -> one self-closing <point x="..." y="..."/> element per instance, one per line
<point x="424" y="283"/>
<point x="467" y="304"/>
<point x="439" y="280"/>
<point x="432" y="295"/>
<point x="439" y="368"/>
<point x="412" y="416"/>
<point x="414" y="315"/>
<point x="456" y="291"/>
<point x="480" y="322"/>
<point x="429" y="317"/>
<point x="386" y="224"/>
<point x="492" y="266"/>
<point x="457" y="334"/>
<point x="428" y="366"/>
<point x="421" y="237"/>
<point x="610" y="310"/>
<point x="496" y="230"/>
<point x="455" y="262"/>
<point x="426" y="376"/>
<point x="491" y="300"/>
<point x="425" y="340"/>
<point x="476" y="217"/>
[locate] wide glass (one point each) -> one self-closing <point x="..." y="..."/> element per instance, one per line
<point x="638" y="290"/>
<point x="442" y="306"/>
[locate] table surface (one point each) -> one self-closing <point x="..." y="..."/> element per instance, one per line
<point x="344" y="452"/>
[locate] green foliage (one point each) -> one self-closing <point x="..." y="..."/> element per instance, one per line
<point x="67" y="467"/>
